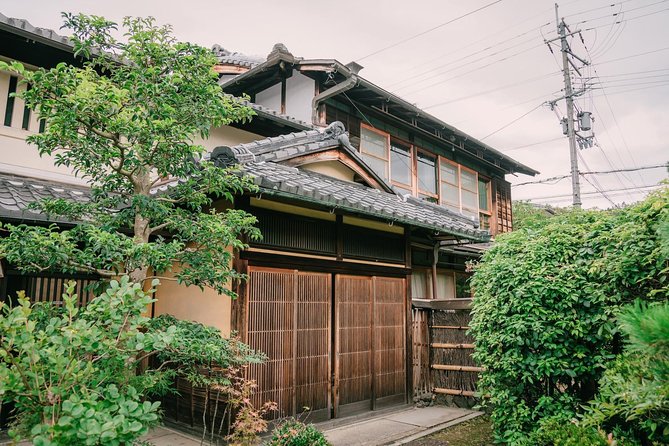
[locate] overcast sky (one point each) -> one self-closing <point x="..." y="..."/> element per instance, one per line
<point x="480" y="73"/>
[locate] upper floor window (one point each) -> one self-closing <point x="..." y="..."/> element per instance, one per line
<point x="485" y="203"/>
<point x="401" y="166"/>
<point x="374" y="148"/>
<point x="15" y="113"/>
<point x="426" y="175"/>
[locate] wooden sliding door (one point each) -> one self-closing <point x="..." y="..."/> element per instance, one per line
<point x="370" y="365"/>
<point x="289" y="321"/>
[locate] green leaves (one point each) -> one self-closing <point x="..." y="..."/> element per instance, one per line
<point x="546" y="299"/>
<point x="126" y="121"/>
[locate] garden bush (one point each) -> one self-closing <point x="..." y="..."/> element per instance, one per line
<point x="633" y="399"/>
<point x="295" y="433"/>
<point x="71" y="372"/>
<point x="544" y="316"/>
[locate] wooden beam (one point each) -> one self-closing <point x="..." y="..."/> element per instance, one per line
<point x="452" y="346"/>
<point x="454" y="392"/>
<point x="457" y="368"/>
<point x="449" y="327"/>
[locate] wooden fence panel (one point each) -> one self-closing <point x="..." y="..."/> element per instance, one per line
<point x="422" y="384"/>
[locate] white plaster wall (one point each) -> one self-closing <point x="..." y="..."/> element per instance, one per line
<point x="300" y="91"/>
<point x="227" y="136"/>
<point x="271" y="97"/>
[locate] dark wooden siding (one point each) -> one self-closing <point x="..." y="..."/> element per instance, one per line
<point x="363" y="243"/>
<point x="294" y="232"/>
<point x="502" y="207"/>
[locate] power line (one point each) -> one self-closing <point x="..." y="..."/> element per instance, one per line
<point x="427" y="31"/>
<point x="512" y="122"/>
<point x="531" y="145"/>
<point x="601" y="172"/>
<point x="514" y="84"/>
<point x="450" y="62"/>
<point x="611" y="192"/>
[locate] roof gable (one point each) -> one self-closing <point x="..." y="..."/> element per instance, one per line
<point x="296" y="149"/>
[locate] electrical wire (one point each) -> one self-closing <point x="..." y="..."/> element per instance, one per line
<point x="415" y="36"/>
<point x="511" y="123"/>
<point x="601" y="172"/>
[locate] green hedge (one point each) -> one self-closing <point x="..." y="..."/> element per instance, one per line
<point x="546" y="299"/>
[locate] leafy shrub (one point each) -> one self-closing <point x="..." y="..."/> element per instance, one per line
<point x="546" y="300"/>
<point x="558" y="431"/>
<point x="633" y="400"/>
<point x="295" y="433"/>
<point x="71" y="372"/>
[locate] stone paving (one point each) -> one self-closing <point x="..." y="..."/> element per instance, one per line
<point x="395" y="427"/>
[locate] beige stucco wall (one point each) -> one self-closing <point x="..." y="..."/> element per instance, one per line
<point x="331" y="168"/>
<point x="190" y="303"/>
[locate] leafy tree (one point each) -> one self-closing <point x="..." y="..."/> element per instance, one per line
<point x="126" y="122"/>
<point x="547" y="296"/>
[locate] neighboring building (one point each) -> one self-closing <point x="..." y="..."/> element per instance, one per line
<point x="367" y="205"/>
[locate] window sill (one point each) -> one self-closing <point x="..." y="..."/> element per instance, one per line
<point x="442" y="304"/>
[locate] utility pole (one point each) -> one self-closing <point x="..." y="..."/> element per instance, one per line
<point x="583" y="134"/>
<point x="568" y="93"/>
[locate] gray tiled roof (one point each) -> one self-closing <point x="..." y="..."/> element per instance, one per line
<point x="260" y="160"/>
<point x="235" y="58"/>
<point x="17" y="192"/>
<point x="24" y="27"/>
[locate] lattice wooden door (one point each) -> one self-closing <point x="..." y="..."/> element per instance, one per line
<point x="370" y="366"/>
<point x="289" y="321"/>
<point x="389" y="341"/>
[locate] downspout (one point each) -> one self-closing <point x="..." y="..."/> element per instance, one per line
<point x="330" y="92"/>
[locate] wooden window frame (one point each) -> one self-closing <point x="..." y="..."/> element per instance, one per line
<point x="387" y="136"/>
<point x="476" y="188"/>
<point x="489" y="212"/>
<point x="412" y="165"/>
<point x="441" y="195"/>
<point x="420" y="191"/>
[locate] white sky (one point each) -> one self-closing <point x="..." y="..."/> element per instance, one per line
<point x="488" y="68"/>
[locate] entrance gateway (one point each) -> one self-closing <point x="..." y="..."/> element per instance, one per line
<point x="335" y="343"/>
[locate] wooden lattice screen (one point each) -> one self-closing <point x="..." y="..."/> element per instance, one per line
<point x="289" y="320"/>
<point x="504" y="215"/>
<point x="370" y="367"/>
<point x="47" y="288"/>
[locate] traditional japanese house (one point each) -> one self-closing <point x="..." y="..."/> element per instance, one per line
<point x="369" y="209"/>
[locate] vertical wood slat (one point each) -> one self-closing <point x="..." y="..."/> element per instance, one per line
<point x="389" y="339"/>
<point x="354" y="333"/>
<point x="288" y="320"/>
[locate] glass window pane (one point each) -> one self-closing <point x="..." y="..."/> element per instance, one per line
<point x="427" y="173"/>
<point x="450" y="195"/>
<point x="483" y="195"/>
<point x="378" y="165"/>
<point x="445" y="285"/>
<point x="469" y="200"/>
<point x="449" y="173"/>
<point x="373" y="143"/>
<point x="400" y="163"/>
<point x="420" y="288"/>
<point x="468" y="180"/>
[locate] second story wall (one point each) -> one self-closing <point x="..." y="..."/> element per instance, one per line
<point x="439" y="173"/>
